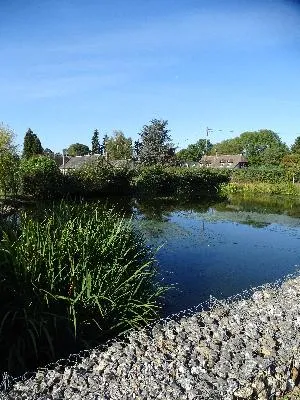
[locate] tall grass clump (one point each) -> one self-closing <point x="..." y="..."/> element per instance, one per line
<point x="71" y="277"/>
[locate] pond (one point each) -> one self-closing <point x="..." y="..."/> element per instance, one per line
<point x="220" y="248"/>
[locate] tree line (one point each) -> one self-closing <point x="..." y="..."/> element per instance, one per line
<point x="154" y="146"/>
<point x="262" y="147"/>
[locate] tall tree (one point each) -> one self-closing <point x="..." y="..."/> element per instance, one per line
<point x="156" y="146"/>
<point x="263" y="147"/>
<point x="96" y="148"/>
<point x="78" y="149"/>
<point x="32" y="145"/>
<point x="136" y="149"/>
<point x="194" y="152"/>
<point x="118" y="147"/>
<point x="103" y="147"/>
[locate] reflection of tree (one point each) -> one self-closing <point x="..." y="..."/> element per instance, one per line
<point x="264" y="204"/>
<point x="159" y="209"/>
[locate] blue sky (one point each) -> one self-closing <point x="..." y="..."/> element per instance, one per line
<point x="71" y="66"/>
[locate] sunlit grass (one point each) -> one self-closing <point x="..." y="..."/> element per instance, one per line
<point x="69" y="278"/>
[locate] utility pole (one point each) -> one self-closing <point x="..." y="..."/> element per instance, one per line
<point x="208" y="130"/>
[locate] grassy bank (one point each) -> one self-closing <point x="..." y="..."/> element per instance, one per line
<point x="70" y="277"/>
<point x="260" y="188"/>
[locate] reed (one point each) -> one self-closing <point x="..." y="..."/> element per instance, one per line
<point x="71" y="277"/>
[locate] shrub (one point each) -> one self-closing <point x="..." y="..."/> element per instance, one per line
<point x="178" y="181"/>
<point x="283" y="188"/>
<point x="100" y="178"/>
<point x="267" y="174"/>
<point x="69" y="279"/>
<point x="40" y="177"/>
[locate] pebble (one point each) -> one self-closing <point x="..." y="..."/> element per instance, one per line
<point x="247" y="348"/>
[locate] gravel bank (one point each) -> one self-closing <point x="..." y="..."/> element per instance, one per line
<point x="247" y="349"/>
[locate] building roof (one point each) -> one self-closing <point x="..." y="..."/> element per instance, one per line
<point x="79" y="161"/>
<point x="229" y="160"/>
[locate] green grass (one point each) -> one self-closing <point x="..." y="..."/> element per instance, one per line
<point x="71" y="277"/>
<point x="261" y="187"/>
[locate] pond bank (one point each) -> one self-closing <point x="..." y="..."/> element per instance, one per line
<point x="237" y="350"/>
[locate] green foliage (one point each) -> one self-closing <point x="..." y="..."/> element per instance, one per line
<point x="78" y="149"/>
<point x="118" y="147"/>
<point x="100" y="177"/>
<point x="283" y="188"/>
<point x="295" y="148"/>
<point x="9" y="163"/>
<point x="194" y="152"/>
<point x="291" y="163"/>
<point x="263" y="147"/>
<point x="95" y="143"/>
<point x="32" y="145"/>
<point x="178" y="181"/>
<point x="228" y="146"/>
<point x="40" y="177"/>
<point x="155" y="145"/>
<point x="70" y="277"/>
<point x="268" y="174"/>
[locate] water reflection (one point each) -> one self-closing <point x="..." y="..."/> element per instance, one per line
<point x="218" y="247"/>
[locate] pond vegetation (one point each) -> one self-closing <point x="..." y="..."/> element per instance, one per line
<point x="71" y="276"/>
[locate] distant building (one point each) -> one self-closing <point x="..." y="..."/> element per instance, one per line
<point x="224" y="161"/>
<point x="72" y="163"/>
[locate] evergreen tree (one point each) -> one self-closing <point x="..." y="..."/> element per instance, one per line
<point x="32" y="145"/>
<point x="37" y="146"/>
<point x="28" y="144"/>
<point x="156" y="146"/>
<point x="96" y="148"/>
<point x="103" y="147"/>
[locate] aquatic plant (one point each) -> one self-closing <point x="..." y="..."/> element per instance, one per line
<point x="70" y="277"/>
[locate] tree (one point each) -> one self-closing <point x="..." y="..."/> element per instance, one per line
<point x="156" y="146"/>
<point x="78" y="149"/>
<point x="40" y="177"/>
<point x="103" y="147"/>
<point x="291" y="163"/>
<point x="32" y="145"/>
<point x="9" y="162"/>
<point x="228" y="146"/>
<point x="260" y="147"/>
<point x="257" y="145"/>
<point x="295" y="148"/>
<point x="48" y="152"/>
<point x="96" y="148"/>
<point x="118" y="147"/>
<point x="194" y="152"/>
<point x="136" y="149"/>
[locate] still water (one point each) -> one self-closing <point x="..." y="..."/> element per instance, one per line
<point x="220" y="248"/>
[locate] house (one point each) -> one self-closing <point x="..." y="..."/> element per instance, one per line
<point x="224" y="161"/>
<point x="76" y="162"/>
